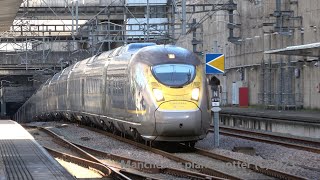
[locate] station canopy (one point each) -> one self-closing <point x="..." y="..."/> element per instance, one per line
<point x="310" y="50"/>
<point x="8" y="11"/>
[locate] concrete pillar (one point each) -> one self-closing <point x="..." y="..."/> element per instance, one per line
<point x="3" y="104"/>
<point x="3" y="109"/>
<point x="263" y="125"/>
<point x="256" y="125"/>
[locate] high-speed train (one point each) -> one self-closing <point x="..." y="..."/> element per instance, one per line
<point x="148" y="91"/>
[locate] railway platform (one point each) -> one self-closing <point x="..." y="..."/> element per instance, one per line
<point x="23" y="158"/>
<point x="297" y="123"/>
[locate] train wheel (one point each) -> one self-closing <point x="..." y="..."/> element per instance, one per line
<point x="190" y="143"/>
<point x="105" y="127"/>
<point x="136" y="136"/>
<point x="113" y="129"/>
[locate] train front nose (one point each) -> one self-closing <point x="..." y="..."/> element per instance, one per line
<point x="178" y="123"/>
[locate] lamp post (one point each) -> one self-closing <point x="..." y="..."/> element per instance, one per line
<point x="3" y="106"/>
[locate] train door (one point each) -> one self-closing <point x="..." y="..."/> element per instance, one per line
<point x="82" y="94"/>
<point x="108" y="94"/>
<point x="117" y="100"/>
<point x="116" y="81"/>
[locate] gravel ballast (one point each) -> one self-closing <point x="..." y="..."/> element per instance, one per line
<point x="97" y="141"/>
<point x="297" y="162"/>
<point x="284" y="159"/>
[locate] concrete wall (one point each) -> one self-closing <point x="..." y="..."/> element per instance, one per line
<point x="269" y="82"/>
<point x="58" y="46"/>
<point x="311" y="77"/>
<point x="17" y="94"/>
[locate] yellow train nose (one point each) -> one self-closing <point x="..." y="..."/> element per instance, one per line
<point x="175" y="123"/>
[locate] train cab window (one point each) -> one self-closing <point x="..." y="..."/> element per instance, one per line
<point x="174" y="75"/>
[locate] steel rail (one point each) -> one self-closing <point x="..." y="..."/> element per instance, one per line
<point x="154" y="168"/>
<point x="101" y="169"/>
<point x="114" y="172"/>
<point x="198" y="167"/>
<point x="267" y="171"/>
<point x="84" y="152"/>
<point x="239" y="134"/>
<point x="254" y="167"/>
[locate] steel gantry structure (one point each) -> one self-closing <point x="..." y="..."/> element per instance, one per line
<point x="117" y="21"/>
<point x="47" y="36"/>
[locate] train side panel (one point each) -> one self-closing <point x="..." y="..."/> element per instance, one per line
<point x="119" y="90"/>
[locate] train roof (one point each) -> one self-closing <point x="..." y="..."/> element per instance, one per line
<point x="137" y="46"/>
<point x="160" y="54"/>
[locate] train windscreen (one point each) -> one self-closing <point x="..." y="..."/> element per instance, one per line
<point x="174" y="75"/>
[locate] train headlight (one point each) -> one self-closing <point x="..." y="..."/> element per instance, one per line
<point x="195" y="94"/>
<point x="158" y="94"/>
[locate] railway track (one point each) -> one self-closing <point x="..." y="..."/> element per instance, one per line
<point x="86" y="159"/>
<point x="99" y="168"/>
<point x="202" y="171"/>
<point x="300" y="143"/>
<point x="195" y="166"/>
<point x="93" y="158"/>
<point x="145" y="167"/>
<point x="269" y="172"/>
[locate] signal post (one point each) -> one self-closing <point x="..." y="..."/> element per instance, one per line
<point x="215" y="66"/>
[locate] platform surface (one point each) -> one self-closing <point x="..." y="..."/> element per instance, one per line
<point x="21" y="157"/>
<point x="301" y="116"/>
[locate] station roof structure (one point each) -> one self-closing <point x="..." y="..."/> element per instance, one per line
<point x="8" y="11"/>
<point x="310" y="50"/>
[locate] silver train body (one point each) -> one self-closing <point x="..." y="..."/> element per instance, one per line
<point x="157" y="92"/>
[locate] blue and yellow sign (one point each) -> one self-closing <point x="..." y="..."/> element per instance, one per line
<point x="214" y="63"/>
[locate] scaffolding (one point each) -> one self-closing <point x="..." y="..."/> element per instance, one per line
<point x="277" y="88"/>
<point x="42" y="47"/>
<point x="104" y="27"/>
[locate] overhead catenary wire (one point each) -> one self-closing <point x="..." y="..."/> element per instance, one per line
<point x="203" y="19"/>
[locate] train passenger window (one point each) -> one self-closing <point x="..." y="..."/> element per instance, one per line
<point x="103" y="56"/>
<point x="115" y="52"/>
<point x="174" y="75"/>
<point x="94" y="58"/>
